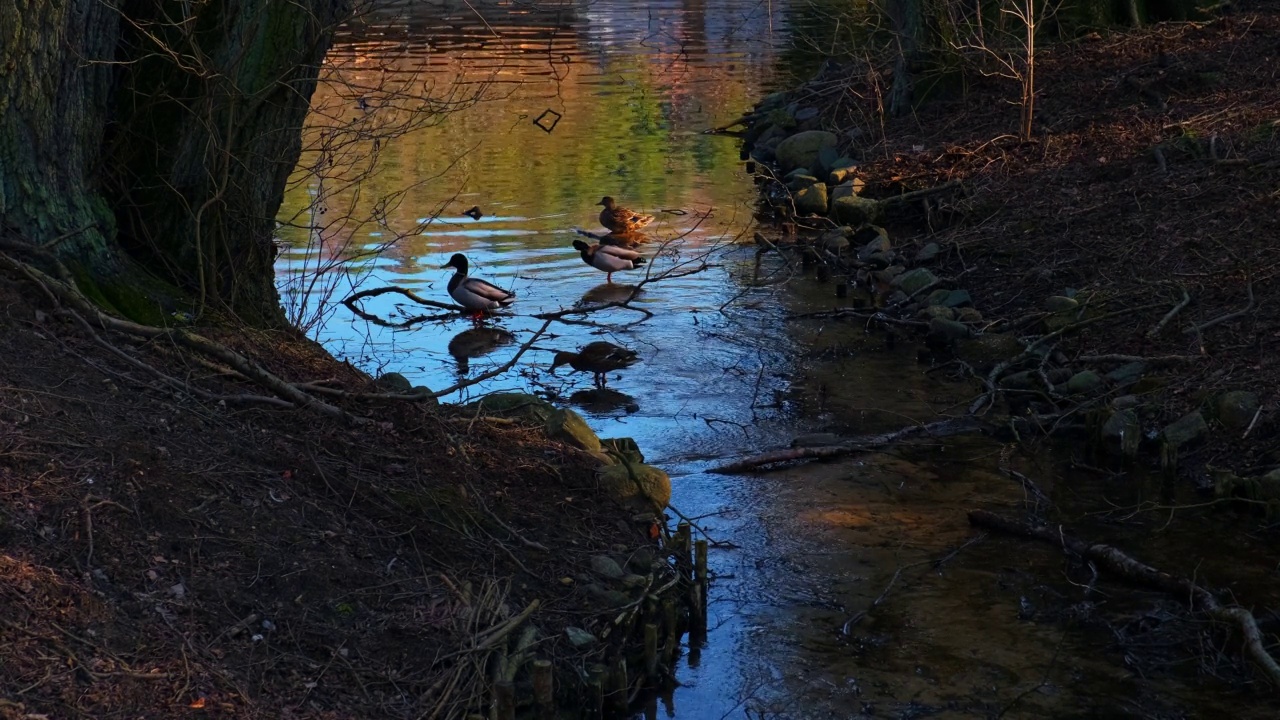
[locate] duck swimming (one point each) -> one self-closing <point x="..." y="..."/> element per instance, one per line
<point x="597" y="358"/>
<point x="608" y="258"/>
<point x="620" y="219"/>
<point x="475" y="294"/>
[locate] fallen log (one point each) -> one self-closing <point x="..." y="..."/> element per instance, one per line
<point x="941" y="428"/>
<point x="1129" y="568"/>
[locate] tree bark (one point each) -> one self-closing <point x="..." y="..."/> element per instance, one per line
<point x="908" y="25"/>
<point x="153" y="140"/>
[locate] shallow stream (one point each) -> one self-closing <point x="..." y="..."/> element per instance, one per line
<point x="538" y="111"/>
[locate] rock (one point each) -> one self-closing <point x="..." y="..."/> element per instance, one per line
<point x="804" y="114"/>
<point x="393" y="382"/>
<point x="578" y="637"/>
<point x="1024" y="380"/>
<point x="1060" y="304"/>
<point x="604" y="596"/>
<point x="957" y="298"/>
<point x="797" y="173"/>
<point x="930" y="312"/>
<point x="844" y="173"/>
<point x="803" y="148"/>
<point x="914" y="280"/>
<point x="988" y="349"/>
<point x="927" y="254"/>
<point x="643" y="560"/>
<point x="800" y="182"/>
<point x="811" y="200"/>
<point x="631" y="581"/>
<point x="943" y="332"/>
<point x="881" y="260"/>
<point x="781" y="118"/>
<point x="855" y="210"/>
<point x="1121" y="433"/>
<point x="827" y="159"/>
<point x="1236" y="409"/>
<point x="606" y="567"/>
<point x="622" y="449"/>
<point x="834" y="241"/>
<point x="848" y="188"/>
<point x="897" y="297"/>
<point x="772" y="100"/>
<point x="886" y="275"/>
<point x="568" y="426"/>
<point x="1083" y="382"/>
<point x="1186" y="429"/>
<point x="937" y="297"/>
<point x="517" y="404"/>
<point x="968" y="315"/>
<point x="878" y="244"/>
<point x="643" y="487"/>
<point x="1127" y="374"/>
<point x="1124" y="402"/>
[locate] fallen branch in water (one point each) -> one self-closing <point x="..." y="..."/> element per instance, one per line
<point x="941" y="428"/>
<point x="1129" y="568"/>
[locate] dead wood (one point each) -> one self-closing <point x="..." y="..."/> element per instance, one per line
<point x="1129" y="568"/>
<point x="941" y="428"/>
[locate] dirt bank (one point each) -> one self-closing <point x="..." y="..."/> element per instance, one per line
<point x="168" y="555"/>
<point x="1139" y="224"/>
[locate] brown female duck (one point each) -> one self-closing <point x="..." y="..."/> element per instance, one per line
<point x="597" y="358"/>
<point x="620" y="219"/>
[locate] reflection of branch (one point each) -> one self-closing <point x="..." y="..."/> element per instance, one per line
<point x="350" y="302"/>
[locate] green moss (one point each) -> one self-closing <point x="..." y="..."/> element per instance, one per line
<point x="125" y="294"/>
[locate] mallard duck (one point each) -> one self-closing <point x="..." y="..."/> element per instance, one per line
<point x="474" y="213"/>
<point x="608" y="258"/>
<point x="597" y="358"/>
<point x="620" y="219"/>
<point x="474" y="294"/>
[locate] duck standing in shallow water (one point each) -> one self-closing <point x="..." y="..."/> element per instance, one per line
<point x="597" y="358"/>
<point x="620" y="219"/>
<point x="608" y="258"/>
<point x="475" y="294"/>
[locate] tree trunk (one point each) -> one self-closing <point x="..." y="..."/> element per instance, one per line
<point x="908" y="25"/>
<point x="153" y="141"/>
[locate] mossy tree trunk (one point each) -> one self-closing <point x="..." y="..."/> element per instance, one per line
<point x="150" y="142"/>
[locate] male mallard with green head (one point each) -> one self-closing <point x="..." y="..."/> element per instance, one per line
<point x="620" y="219"/>
<point x="475" y="294"/>
<point x="597" y="358"/>
<point x="608" y="259"/>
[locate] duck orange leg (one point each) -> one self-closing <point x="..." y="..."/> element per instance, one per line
<point x="608" y="277"/>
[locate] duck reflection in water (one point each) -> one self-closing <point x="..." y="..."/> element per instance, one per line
<point x="477" y="342"/>
<point x="629" y="240"/>
<point x="603" y="400"/>
<point x="606" y="293"/>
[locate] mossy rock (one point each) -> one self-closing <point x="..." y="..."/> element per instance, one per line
<point x="811" y="200"/>
<point x="622" y="449"/>
<point x="855" y="210"/>
<point x="568" y="426"/>
<point x="988" y="349"/>
<point x="638" y="486"/>
<point x="1236" y="409"/>
<point x="393" y="382"/>
<point x="519" y="405"/>
<point x="803" y="149"/>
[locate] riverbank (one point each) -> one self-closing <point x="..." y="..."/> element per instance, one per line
<point x="1132" y="241"/>
<point x="174" y="545"/>
<point x="1108" y="280"/>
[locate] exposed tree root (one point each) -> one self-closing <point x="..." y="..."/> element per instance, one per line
<point x="1134" y="570"/>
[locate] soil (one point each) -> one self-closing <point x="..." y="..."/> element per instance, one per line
<point x="1154" y="169"/>
<point x="163" y="556"/>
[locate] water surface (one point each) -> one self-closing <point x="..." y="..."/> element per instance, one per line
<point x="845" y="589"/>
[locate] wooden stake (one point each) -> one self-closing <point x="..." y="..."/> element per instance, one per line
<point x="650" y="650"/>
<point x="671" y="620"/>
<point x="700" y="561"/>
<point x="595" y="680"/>
<point x="504" y="697"/>
<point x="620" y="686"/>
<point x="543" y="689"/>
<point x="684" y="543"/>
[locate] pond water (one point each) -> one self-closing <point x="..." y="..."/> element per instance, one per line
<point x="532" y="112"/>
